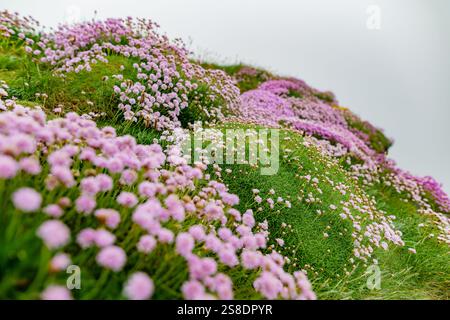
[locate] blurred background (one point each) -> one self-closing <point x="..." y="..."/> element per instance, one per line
<point x="386" y="60"/>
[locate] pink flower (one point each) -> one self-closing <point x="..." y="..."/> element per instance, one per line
<point x="27" y="199"/>
<point x="64" y="202"/>
<point x="165" y="236"/>
<point x="115" y="165"/>
<point x="59" y="158"/>
<point x="225" y="234"/>
<point x="110" y="217"/>
<point x="30" y="165"/>
<point x="127" y="199"/>
<point x="268" y="285"/>
<point x="54" y="292"/>
<point x="250" y="259"/>
<point x="280" y="242"/>
<point x="104" y="181"/>
<point x="208" y="266"/>
<point x="146" y="244"/>
<point x="64" y="174"/>
<point x="60" y="262"/>
<point x="86" y="237"/>
<point x="192" y="290"/>
<point x="248" y="219"/>
<point x="85" y="204"/>
<point x="184" y="244"/>
<point x="200" y="268"/>
<point x="147" y="189"/>
<point x="230" y="199"/>
<point x="139" y="287"/>
<point x="249" y="241"/>
<point x="197" y="232"/>
<point x="22" y="143"/>
<point x="143" y="218"/>
<point x="235" y="213"/>
<point x="104" y="238"/>
<point x="228" y="257"/>
<point x="223" y="285"/>
<point x="8" y="167"/>
<point x="113" y="258"/>
<point x="175" y="207"/>
<point x="89" y="186"/>
<point x="261" y="240"/>
<point x="128" y="177"/>
<point x="53" y="210"/>
<point x="54" y="233"/>
<point x="213" y="211"/>
<point x="213" y="243"/>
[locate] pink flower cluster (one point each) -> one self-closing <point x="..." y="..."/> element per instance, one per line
<point x="12" y="25"/>
<point x="154" y="188"/>
<point x="273" y="104"/>
<point x="164" y="80"/>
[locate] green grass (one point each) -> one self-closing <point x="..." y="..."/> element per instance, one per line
<point x="424" y="275"/>
<point x="75" y="92"/>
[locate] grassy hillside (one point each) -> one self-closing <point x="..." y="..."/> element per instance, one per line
<point x="108" y="100"/>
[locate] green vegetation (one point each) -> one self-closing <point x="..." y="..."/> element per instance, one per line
<point x="327" y="260"/>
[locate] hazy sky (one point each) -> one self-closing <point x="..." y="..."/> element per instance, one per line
<point x="397" y="76"/>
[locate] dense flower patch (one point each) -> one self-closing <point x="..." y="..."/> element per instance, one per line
<point x="165" y="81"/>
<point x="142" y="217"/>
<point x="126" y="200"/>
<point x="293" y="104"/>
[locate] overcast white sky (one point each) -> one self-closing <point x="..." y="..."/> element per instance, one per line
<point x="398" y="76"/>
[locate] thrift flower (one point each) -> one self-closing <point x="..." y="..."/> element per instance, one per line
<point x="139" y="287"/>
<point x="127" y="199"/>
<point x="110" y="217"/>
<point x="54" y="233"/>
<point x="184" y="244"/>
<point x="146" y="244"/>
<point x="86" y="237"/>
<point x="112" y="257"/>
<point x="60" y="262"/>
<point x="53" y="210"/>
<point x="27" y="199"/>
<point x="8" y="167"/>
<point x="85" y="204"/>
<point x="55" y="292"/>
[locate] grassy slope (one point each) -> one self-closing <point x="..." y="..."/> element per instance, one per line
<point x="422" y="276"/>
<point x="404" y="275"/>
